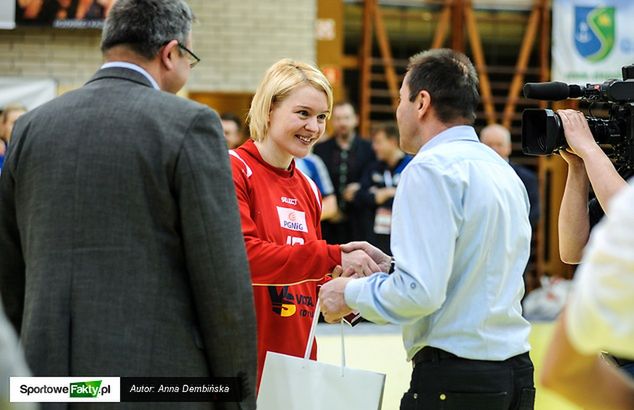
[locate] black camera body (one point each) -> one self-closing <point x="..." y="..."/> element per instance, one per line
<point x="542" y="131"/>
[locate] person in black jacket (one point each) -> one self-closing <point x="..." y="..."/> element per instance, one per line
<point x="346" y="156"/>
<point x="379" y="182"/>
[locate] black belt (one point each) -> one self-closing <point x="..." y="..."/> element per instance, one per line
<point x="431" y="354"/>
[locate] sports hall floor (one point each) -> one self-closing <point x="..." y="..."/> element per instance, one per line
<point x="380" y="349"/>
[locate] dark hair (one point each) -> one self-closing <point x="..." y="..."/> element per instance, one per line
<point x="343" y="103"/>
<point x="451" y="81"/>
<point x="390" y="130"/>
<point x="229" y="116"/>
<point x="146" y="25"/>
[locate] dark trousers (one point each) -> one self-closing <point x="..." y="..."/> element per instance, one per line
<point x="441" y="380"/>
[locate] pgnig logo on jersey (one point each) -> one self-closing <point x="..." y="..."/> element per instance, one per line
<point x="292" y="219"/>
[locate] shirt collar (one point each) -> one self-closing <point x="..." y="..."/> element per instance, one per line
<point x="457" y="133"/>
<point x="252" y="149"/>
<point x="134" y="67"/>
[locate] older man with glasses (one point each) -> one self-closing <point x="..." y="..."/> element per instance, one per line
<point x="121" y="252"/>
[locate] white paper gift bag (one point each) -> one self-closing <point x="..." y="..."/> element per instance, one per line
<point x="290" y="382"/>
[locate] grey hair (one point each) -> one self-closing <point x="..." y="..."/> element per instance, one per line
<point x="499" y="129"/>
<point x="146" y="25"/>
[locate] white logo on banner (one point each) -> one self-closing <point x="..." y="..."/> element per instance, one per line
<point x="592" y="40"/>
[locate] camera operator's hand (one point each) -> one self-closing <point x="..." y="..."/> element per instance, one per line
<point x="578" y="134"/>
<point x="587" y="165"/>
<point x="573" y="160"/>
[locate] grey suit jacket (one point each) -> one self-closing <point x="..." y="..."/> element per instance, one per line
<point x="121" y="251"/>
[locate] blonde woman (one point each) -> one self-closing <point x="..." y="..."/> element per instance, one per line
<point x="280" y="207"/>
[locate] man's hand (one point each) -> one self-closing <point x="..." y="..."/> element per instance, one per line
<point x="337" y="217"/>
<point x="382" y="195"/>
<point x="337" y="271"/>
<point x="382" y="260"/>
<point x="578" y="134"/>
<point x="357" y="262"/>
<point x="350" y="191"/>
<point x="332" y="300"/>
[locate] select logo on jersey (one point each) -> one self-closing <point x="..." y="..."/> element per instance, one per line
<point x="290" y="201"/>
<point x="292" y="219"/>
<point x="283" y="302"/>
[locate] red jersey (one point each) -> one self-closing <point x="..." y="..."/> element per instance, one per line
<point x="280" y="212"/>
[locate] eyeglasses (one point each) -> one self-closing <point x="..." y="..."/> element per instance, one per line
<point x="193" y="58"/>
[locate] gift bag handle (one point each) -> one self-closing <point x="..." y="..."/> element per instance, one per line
<point x="311" y="338"/>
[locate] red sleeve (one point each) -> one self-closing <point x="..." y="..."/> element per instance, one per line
<point x="279" y="264"/>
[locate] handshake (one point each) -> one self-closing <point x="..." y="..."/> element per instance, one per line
<point x="358" y="259"/>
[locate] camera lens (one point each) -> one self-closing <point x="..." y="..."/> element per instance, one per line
<point x="542" y="133"/>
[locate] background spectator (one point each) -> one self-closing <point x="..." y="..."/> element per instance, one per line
<point x="232" y="127"/>
<point x="346" y="156"/>
<point x="315" y="169"/>
<point x="499" y="139"/>
<point x="379" y="182"/>
<point x="9" y="115"/>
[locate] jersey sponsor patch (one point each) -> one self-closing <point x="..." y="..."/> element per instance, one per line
<point x="292" y="219"/>
<point x="286" y="304"/>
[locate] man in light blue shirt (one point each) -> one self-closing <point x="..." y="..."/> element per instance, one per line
<point x="460" y="240"/>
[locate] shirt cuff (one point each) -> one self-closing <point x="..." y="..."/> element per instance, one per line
<point x="351" y="292"/>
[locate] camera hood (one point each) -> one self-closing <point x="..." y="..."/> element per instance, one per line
<point x="544" y="129"/>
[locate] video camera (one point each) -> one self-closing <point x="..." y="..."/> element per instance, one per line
<point x="543" y="134"/>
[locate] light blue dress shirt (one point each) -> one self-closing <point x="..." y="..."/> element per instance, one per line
<point x="461" y="241"/>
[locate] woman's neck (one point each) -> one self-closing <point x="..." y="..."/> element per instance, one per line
<point x="272" y="155"/>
